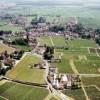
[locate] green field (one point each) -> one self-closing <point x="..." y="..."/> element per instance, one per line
<point x="78" y="51"/>
<point x="63" y="66"/>
<point x="52" y="41"/>
<point x="85" y="63"/>
<point x="59" y="41"/>
<point x="2" y="23"/>
<point x="83" y="43"/>
<point x="12" y="28"/>
<point x="22" y="71"/>
<point x="93" y="58"/>
<point x="22" y="47"/>
<point x="88" y="66"/>
<point x="91" y="81"/>
<point x="14" y="91"/>
<point x="44" y="41"/>
<point x="77" y="94"/>
<point x="93" y="93"/>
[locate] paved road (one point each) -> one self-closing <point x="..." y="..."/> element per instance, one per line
<point x="57" y="93"/>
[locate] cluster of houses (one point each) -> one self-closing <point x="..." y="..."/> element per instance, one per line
<point x="63" y="81"/>
<point x="42" y="29"/>
<point x="6" y="62"/>
<point x="37" y="32"/>
<point x="70" y="35"/>
<point x="39" y="50"/>
<point x="14" y="19"/>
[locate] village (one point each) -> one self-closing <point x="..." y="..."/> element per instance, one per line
<point x="54" y="56"/>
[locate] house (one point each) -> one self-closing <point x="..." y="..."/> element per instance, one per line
<point x="9" y="62"/>
<point x="63" y="81"/>
<point x="40" y="65"/>
<point x="40" y="50"/>
<point x="1" y="41"/>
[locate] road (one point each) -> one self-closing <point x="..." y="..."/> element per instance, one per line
<point x="76" y="72"/>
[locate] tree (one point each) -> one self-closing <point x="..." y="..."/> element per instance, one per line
<point x="78" y="28"/>
<point x="97" y="31"/>
<point x="57" y="28"/>
<point x="97" y="41"/>
<point x="49" y="53"/>
<point x="5" y="32"/>
<point x="35" y="41"/>
<point x="41" y="20"/>
<point x="20" y="41"/>
<point x="34" y="22"/>
<point x="37" y="20"/>
<point x="6" y="54"/>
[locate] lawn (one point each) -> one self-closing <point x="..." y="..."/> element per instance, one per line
<point x="4" y="47"/>
<point x="93" y="93"/>
<point x="88" y="67"/>
<point x="22" y="71"/>
<point x="77" y="94"/>
<point x="45" y="40"/>
<point x="14" y="91"/>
